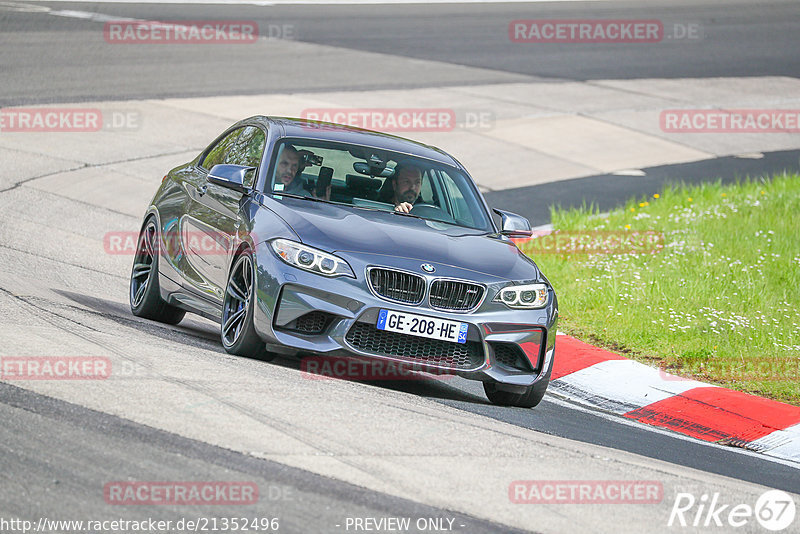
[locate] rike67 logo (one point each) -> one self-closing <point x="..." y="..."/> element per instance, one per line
<point x="774" y="510"/>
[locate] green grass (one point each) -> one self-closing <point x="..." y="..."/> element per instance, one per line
<point x="719" y="302"/>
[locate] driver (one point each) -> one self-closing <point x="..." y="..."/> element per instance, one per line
<point x="406" y="183"/>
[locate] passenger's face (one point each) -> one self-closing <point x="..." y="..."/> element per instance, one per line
<point x="407" y="185"/>
<point x="288" y="163"/>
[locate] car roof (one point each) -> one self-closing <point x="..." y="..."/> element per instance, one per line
<point x="329" y="131"/>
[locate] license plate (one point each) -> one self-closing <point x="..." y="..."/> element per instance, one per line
<point x="419" y="325"/>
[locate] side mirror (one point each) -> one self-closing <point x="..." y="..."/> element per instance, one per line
<point x="513" y="224"/>
<point x="230" y="176"/>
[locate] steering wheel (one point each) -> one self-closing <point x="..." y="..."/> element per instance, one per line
<point x="435" y="213"/>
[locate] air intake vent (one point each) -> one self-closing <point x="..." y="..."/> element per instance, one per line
<point x="462" y="356"/>
<point x="311" y="323"/>
<point x="510" y="355"/>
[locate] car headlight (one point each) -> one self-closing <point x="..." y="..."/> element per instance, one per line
<point x="311" y="259"/>
<point x="527" y="296"/>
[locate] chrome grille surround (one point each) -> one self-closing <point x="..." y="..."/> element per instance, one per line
<point x="448" y="294"/>
<point x="397" y="286"/>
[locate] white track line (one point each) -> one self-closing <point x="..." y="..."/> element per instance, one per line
<point x="555" y="398"/>
<point x="621" y="386"/>
<point x="784" y="443"/>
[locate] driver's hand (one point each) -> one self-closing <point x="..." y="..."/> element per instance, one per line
<point x="404" y="207"/>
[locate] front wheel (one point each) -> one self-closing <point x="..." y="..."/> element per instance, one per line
<point x="145" y="295"/>
<point x="237" y="330"/>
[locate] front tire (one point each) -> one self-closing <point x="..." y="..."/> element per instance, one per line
<point x="238" y="307"/>
<point x="145" y="294"/>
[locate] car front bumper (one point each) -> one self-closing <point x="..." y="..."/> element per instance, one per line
<point x="303" y="312"/>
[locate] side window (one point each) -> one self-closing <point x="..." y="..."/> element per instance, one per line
<point x="217" y="153"/>
<point x="461" y="211"/>
<point x="248" y="148"/>
<point x="426" y="189"/>
<point x="247" y="151"/>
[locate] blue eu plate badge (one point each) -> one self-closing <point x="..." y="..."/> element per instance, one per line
<point x="382" y="320"/>
<point x="462" y="333"/>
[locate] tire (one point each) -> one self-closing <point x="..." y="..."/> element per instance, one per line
<point x="237" y="331"/>
<point x="531" y="398"/>
<point x="144" y="294"/>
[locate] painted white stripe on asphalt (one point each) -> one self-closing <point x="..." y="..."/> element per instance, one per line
<point x="94" y="17"/>
<point x="782" y="443"/>
<point x="620" y="386"/>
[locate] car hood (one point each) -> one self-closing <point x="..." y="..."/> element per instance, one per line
<point x="346" y="229"/>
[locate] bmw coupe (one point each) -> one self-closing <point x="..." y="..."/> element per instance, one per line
<point x="301" y="237"/>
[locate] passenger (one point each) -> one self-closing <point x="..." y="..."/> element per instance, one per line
<point x="289" y="171"/>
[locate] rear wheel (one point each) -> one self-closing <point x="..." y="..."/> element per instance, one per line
<point x="237" y="331"/>
<point x="145" y="295"/>
<point x="530" y="398"/>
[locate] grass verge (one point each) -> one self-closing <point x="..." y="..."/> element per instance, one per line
<point x="710" y="289"/>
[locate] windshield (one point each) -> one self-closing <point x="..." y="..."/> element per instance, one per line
<point x="366" y="177"/>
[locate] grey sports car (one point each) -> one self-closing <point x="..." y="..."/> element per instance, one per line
<point x="301" y="237"/>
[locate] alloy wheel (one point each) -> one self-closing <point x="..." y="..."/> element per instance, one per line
<point x="237" y="300"/>
<point x="143" y="264"/>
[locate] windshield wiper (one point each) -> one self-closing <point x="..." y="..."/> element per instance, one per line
<point x="294" y="195"/>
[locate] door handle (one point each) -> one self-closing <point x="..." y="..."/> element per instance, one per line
<point x="202" y="190"/>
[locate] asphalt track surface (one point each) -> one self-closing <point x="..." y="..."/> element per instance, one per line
<point x="57" y="481"/>
<point x="51" y="58"/>
<point x="55" y="454"/>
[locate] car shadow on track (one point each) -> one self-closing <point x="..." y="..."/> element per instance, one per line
<point x="193" y="331"/>
<point x="434" y="388"/>
<point x="197" y="332"/>
<point x="413" y="383"/>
